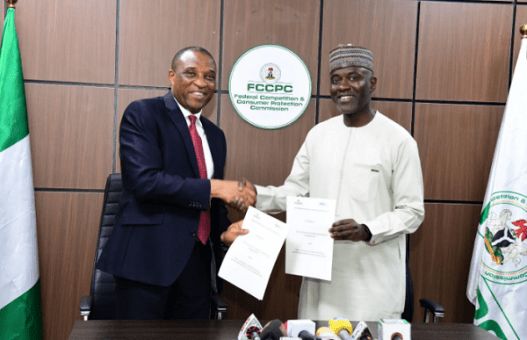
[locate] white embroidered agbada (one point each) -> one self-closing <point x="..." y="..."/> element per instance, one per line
<point x="374" y="173"/>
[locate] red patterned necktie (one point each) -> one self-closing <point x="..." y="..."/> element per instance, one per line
<point x="204" y="217"/>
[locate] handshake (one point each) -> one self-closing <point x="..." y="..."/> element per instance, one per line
<point x="238" y="194"/>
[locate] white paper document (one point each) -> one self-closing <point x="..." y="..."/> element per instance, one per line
<point x="251" y="258"/>
<point x="309" y="247"/>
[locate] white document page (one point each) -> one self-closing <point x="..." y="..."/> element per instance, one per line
<point x="251" y="258"/>
<point x="309" y="247"/>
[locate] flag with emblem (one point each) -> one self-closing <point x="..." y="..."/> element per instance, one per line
<point x="20" y="316"/>
<point x="497" y="284"/>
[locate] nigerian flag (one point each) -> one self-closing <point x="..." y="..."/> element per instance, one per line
<point x="20" y="316"/>
<point x="497" y="284"/>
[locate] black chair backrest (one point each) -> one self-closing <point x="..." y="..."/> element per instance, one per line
<point x="103" y="284"/>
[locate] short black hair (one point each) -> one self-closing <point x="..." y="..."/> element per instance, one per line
<point x="200" y="49"/>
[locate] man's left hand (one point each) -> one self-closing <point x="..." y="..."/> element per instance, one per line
<point x="234" y="230"/>
<point x="349" y="229"/>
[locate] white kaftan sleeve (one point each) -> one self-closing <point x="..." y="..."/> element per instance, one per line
<point x="407" y="184"/>
<point x="296" y="184"/>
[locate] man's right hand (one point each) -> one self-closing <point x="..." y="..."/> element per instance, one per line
<point x="238" y="194"/>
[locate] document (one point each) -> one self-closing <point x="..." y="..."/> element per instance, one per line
<point x="309" y="247"/>
<point x="250" y="259"/>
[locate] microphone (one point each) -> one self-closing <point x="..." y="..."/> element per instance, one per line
<point x="394" y="329"/>
<point x="307" y="335"/>
<point x="253" y="333"/>
<point x="303" y="329"/>
<point x="324" y="333"/>
<point x="251" y="329"/>
<point x="342" y="327"/>
<point x="321" y="334"/>
<point x="273" y="330"/>
<point x="361" y="332"/>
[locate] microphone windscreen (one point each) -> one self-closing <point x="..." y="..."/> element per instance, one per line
<point x="338" y="325"/>
<point x="272" y="330"/>
<point x="326" y="334"/>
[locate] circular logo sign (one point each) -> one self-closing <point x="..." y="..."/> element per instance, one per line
<point x="270" y="86"/>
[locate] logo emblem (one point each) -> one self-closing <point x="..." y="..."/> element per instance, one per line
<point x="269" y="87"/>
<point x="270" y="73"/>
<point x="505" y="237"/>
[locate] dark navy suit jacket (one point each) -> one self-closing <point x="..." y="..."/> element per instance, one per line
<point x="162" y="193"/>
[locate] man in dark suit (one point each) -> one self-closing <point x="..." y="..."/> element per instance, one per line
<point x="172" y="207"/>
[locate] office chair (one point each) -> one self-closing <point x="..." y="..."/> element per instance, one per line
<point x="433" y="310"/>
<point x="99" y="305"/>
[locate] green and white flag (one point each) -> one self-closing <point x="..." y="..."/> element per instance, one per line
<point x="20" y="316"/>
<point x="497" y="284"/>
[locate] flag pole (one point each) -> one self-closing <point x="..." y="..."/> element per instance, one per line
<point x="11" y="3"/>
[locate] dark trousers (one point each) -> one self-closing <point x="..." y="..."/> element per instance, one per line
<point x="187" y="298"/>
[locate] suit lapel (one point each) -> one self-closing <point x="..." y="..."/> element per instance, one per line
<point x="176" y="116"/>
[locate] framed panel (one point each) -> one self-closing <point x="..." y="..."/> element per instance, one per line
<point x="456" y="145"/>
<point x="68" y="225"/>
<point x="401" y="112"/>
<point x="263" y="156"/>
<point x="71" y="129"/>
<point x="126" y="96"/>
<point x="151" y="32"/>
<point x="521" y="18"/>
<point x="280" y="300"/>
<point x="67" y="40"/>
<point x="377" y="25"/>
<point x="464" y="51"/>
<point x="293" y="24"/>
<point x="440" y="254"/>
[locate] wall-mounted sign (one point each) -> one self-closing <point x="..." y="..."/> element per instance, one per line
<point x="270" y="86"/>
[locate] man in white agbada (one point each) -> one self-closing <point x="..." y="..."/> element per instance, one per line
<point x="370" y="165"/>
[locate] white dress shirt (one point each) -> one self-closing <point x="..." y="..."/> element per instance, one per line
<point x="201" y="132"/>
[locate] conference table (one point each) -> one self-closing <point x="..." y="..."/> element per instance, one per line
<point x="228" y="330"/>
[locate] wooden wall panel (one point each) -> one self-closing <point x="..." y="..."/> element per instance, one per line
<point x="153" y="31"/>
<point x="377" y="25"/>
<point x="401" y="112"/>
<point x="71" y="131"/>
<point x="67" y="40"/>
<point x="521" y="18"/>
<point x="126" y="96"/>
<point x="440" y="255"/>
<point x="293" y="24"/>
<point x="280" y="299"/>
<point x="67" y="228"/>
<point x="456" y="144"/>
<point x="263" y="156"/>
<point x="463" y="55"/>
<point x="464" y="51"/>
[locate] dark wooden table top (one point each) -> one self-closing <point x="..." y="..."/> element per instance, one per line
<point x="228" y="330"/>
